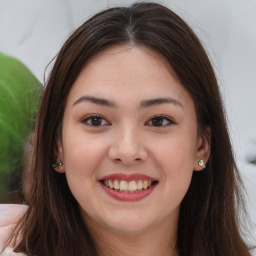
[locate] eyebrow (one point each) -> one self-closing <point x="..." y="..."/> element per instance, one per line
<point x="143" y="104"/>
<point x="159" y="101"/>
<point x="95" y="100"/>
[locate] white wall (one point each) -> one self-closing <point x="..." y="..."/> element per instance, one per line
<point x="34" y="30"/>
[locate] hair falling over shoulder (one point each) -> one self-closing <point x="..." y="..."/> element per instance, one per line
<point x="208" y="221"/>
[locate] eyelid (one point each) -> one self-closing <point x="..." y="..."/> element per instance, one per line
<point x="170" y="120"/>
<point x="86" y="118"/>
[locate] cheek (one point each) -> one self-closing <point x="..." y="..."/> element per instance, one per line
<point x="175" y="153"/>
<point x="175" y="159"/>
<point x="81" y="156"/>
<point x="177" y="168"/>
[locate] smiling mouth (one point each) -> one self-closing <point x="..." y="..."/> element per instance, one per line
<point x="132" y="186"/>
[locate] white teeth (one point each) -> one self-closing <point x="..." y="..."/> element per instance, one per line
<point x="145" y="184"/>
<point x="123" y="185"/>
<point x="111" y="184"/>
<point x="140" y="184"/>
<point x="132" y="186"/>
<point x="116" y="185"/>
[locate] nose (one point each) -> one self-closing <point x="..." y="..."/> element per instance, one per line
<point x="128" y="148"/>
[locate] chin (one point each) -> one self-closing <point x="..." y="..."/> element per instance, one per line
<point x="130" y="224"/>
<point x="128" y="228"/>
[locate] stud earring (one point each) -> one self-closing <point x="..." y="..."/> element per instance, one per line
<point x="201" y="163"/>
<point x="57" y="165"/>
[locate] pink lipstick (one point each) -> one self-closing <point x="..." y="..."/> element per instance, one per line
<point x="124" y="187"/>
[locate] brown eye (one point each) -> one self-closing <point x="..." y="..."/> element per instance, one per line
<point x="95" y="121"/>
<point x="157" y="121"/>
<point x="160" y="121"/>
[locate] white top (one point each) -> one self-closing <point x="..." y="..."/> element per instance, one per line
<point x="9" y="215"/>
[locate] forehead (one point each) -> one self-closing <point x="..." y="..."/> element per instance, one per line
<point x="126" y="72"/>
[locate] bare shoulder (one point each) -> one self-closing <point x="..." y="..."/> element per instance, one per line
<point x="9" y="215"/>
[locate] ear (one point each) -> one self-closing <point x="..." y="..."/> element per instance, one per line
<point x="203" y="149"/>
<point x="59" y="157"/>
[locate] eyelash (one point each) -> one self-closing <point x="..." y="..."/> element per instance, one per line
<point x="89" y="118"/>
<point x="164" y="120"/>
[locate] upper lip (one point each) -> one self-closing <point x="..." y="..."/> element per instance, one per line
<point x="127" y="177"/>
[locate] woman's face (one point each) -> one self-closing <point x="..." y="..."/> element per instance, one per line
<point x="129" y="141"/>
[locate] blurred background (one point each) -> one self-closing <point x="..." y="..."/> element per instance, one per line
<point x="34" y="30"/>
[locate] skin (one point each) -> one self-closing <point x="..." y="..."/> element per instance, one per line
<point x="128" y="141"/>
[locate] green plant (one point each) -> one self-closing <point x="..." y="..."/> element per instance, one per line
<point x="19" y="99"/>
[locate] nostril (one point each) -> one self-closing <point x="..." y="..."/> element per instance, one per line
<point x="135" y="160"/>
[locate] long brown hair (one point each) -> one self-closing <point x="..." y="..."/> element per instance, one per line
<point x="208" y="224"/>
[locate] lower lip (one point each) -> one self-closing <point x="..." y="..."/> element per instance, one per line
<point x="124" y="196"/>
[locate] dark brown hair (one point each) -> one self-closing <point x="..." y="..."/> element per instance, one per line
<point x="208" y="224"/>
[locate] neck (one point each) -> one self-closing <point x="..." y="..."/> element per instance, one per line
<point x="159" y="240"/>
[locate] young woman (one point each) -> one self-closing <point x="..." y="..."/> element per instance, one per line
<point x="132" y="152"/>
